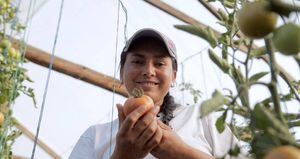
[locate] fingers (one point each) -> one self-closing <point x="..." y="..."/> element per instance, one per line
<point x="133" y="117"/>
<point x="155" y="140"/>
<point x="121" y="114"/>
<point x="147" y="134"/>
<point x="164" y="126"/>
<point x="146" y="120"/>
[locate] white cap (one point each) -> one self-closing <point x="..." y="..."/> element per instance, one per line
<point x="148" y="32"/>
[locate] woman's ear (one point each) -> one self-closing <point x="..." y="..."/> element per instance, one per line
<point x="174" y="76"/>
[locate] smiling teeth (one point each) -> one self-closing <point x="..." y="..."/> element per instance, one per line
<point x="148" y="84"/>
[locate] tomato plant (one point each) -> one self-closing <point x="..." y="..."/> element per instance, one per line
<point x="12" y="75"/>
<point x="266" y="124"/>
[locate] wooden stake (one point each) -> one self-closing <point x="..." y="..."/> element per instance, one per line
<point x="42" y="144"/>
<point x="75" y="70"/>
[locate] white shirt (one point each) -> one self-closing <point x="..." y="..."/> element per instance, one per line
<point x="98" y="141"/>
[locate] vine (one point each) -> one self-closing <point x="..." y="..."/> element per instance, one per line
<point x="266" y="125"/>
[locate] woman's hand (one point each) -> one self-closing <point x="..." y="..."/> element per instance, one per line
<point x="172" y="146"/>
<point x="138" y="133"/>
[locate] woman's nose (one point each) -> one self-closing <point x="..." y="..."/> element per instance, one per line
<point x="148" y="70"/>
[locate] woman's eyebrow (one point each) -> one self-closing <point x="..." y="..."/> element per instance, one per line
<point x="137" y="55"/>
<point x="134" y="54"/>
<point x="161" y="56"/>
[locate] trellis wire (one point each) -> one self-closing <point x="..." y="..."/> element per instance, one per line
<point x="48" y="79"/>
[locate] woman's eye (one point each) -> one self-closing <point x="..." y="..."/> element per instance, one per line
<point x="160" y="64"/>
<point x="136" y="62"/>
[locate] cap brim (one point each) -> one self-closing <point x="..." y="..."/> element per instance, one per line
<point x="148" y="32"/>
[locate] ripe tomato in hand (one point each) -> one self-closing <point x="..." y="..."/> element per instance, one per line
<point x="138" y="99"/>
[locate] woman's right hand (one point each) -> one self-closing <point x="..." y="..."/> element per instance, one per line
<point x="138" y="133"/>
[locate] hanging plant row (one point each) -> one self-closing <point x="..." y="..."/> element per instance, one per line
<point x="12" y="74"/>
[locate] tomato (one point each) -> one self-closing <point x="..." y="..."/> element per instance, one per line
<point x="1" y="58"/>
<point x="256" y="20"/>
<point x="5" y="43"/>
<point x="283" y="152"/>
<point x="14" y="53"/>
<point x="138" y="99"/>
<point x="287" y="39"/>
<point x="1" y="118"/>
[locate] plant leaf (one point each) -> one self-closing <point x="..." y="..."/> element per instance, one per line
<point x="223" y="15"/>
<point x="221" y="122"/>
<point x="221" y="63"/>
<point x="264" y="119"/>
<point x="204" y="33"/>
<point x="213" y="104"/>
<point x="257" y="76"/>
<point x="258" y="52"/>
<point x="228" y="3"/>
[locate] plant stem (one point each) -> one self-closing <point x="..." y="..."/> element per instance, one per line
<point x="273" y="83"/>
<point x="247" y="60"/>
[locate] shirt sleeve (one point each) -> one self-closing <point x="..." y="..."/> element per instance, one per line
<point x="84" y="146"/>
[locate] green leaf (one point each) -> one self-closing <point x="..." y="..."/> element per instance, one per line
<point x="257" y="76"/>
<point x="225" y="52"/>
<point x="223" y="15"/>
<point x="221" y="122"/>
<point x="221" y="63"/>
<point x="225" y="39"/>
<point x="239" y="81"/>
<point x="237" y="75"/>
<point x="264" y="119"/>
<point x="213" y="104"/>
<point x="229" y="4"/>
<point x="204" y="33"/>
<point x="235" y="151"/>
<point x="254" y="53"/>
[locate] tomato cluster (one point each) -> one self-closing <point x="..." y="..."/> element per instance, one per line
<point x="7" y="48"/>
<point x="258" y="19"/>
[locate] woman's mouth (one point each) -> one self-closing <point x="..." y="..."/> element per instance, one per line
<point x="147" y="84"/>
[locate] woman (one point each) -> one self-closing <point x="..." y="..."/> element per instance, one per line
<point x="149" y="61"/>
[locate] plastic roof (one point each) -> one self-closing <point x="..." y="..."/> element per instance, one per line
<point x="87" y="36"/>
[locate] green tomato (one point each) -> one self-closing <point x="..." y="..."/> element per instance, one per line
<point x="256" y="20"/>
<point x="1" y="57"/>
<point x="13" y="53"/>
<point x="5" y="43"/>
<point x="287" y="39"/>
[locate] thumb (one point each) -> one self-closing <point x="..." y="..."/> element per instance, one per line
<point x="120" y="113"/>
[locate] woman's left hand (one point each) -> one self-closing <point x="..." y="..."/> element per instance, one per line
<point x="166" y="148"/>
<point x="172" y="146"/>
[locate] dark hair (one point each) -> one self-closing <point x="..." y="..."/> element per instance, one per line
<point x="169" y="104"/>
<point x="168" y="107"/>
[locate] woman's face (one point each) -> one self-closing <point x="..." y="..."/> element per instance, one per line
<point x="149" y="67"/>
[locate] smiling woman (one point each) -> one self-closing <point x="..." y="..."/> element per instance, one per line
<point x="168" y="130"/>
